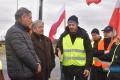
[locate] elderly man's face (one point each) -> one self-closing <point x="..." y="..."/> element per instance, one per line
<point x="27" y="20"/>
<point x="73" y="27"/>
<point x="39" y="30"/>
<point x="108" y="34"/>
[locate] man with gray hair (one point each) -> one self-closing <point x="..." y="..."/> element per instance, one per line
<point x="22" y="61"/>
<point x="44" y="50"/>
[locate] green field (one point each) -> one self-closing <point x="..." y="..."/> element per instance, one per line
<point x="2" y="49"/>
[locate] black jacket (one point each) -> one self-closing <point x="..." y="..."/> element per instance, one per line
<point x="87" y="45"/>
<point x="108" y="57"/>
<point x="100" y="53"/>
<point x="115" y="63"/>
<point x="21" y="57"/>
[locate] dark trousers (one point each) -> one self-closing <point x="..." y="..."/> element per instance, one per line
<point x="111" y="77"/>
<point x="93" y="75"/>
<point x="61" y="72"/>
<point x="77" y="77"/>
<point x="101" y="75"/>
<point x="98" y="74"/>
<point x="41" y="76"/>
<point x="114" y="76"/>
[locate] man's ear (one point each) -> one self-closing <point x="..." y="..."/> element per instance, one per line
<point x="23" y="18"/>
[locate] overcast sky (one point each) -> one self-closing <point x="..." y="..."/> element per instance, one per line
<point x="93" y="16"/>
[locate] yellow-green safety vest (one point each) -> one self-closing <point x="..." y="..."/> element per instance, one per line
<point x="94" y="58"/>
<point x="73" y="54"/>
<point x="0" y="65"/>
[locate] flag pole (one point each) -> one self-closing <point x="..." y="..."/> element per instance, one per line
<point x="40" y="9"/>
<point x="17" y="4"/>
<point x="65" y="19"/>
<point x="65" y="23"/>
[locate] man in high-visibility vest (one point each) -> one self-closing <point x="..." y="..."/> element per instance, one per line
<point x="96" y="38"/>
<point x="1" y="72"/>
<point x="75" y="51"/>
<point x="114" y="56"/>
<point x="104" y="47"/>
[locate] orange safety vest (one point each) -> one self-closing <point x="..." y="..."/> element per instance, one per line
<point x="99" y="62"/>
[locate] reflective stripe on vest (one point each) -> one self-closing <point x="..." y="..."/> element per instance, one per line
<point x="73" y="54"/>
<point x="101" y="47"/>
<point x="73" y="58"/>
<point x="104" y="62"/>
<point x="94" y="59"/>
<point x="74" y="50"/>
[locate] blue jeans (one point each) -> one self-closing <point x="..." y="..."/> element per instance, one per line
<point x="61" y="72"/>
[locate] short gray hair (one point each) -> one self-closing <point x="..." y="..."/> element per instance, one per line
<point x="35" y="23"/>
<point x="21" y="12"/>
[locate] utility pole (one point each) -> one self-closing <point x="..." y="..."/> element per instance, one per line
<point x="17" y="4"/>
<point x="40" y="9"/>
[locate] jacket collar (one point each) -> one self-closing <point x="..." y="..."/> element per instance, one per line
<point x="38" y="37"/>
<point x="21" y="26"/>
<point x="36" y="40"/>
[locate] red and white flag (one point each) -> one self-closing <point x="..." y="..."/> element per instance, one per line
<point x="92" y="1"/>
<point x="58" y="20"/>
<point x="115" y="19"/>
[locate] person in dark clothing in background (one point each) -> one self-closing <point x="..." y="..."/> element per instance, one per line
<point x="103" y="47"/>
<point x="75" y="51"/>
<point x="22" y="61"/>
<point x="96" y="38"/>
<point x="114" y="57"/>
<point x="44" y="50"/>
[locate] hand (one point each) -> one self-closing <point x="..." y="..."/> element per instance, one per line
<point x="30" y="26"/>
<point x="107" y="68"/>
<point x="59" y="53"/>
<point x="107" y="51"/>
<point x="86" y="73"/>
<point x="39" y="68"/>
